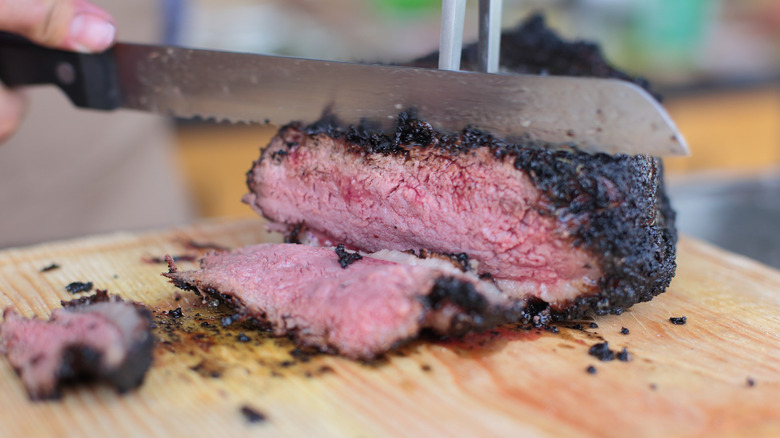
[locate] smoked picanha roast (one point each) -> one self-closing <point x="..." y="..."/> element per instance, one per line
<point x="559" y="232"/>
<point x="93" y="338"/>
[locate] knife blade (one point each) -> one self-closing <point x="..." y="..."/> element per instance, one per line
<point x="596" y="115"/>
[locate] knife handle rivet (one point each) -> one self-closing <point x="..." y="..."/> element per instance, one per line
<point x="66" y="73"/>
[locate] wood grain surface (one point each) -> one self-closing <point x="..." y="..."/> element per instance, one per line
<point x="718" y="375"/>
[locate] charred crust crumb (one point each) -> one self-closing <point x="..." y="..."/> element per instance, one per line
<point x="277" y="155"/>
<point x="461" y="293"/>
<point x="242" y="337"/>
<point x="602" y="352"/>
<point x="346" y="258"/>
<point x="750" y="382"/>
<point x="78" y="287"/>
<point x="293" y="234"/>
<point x="175" y="313"/>
<point x="624" y="331"/>
<point x="591" y="369"/>
<point x="552" y="329"/>
<point x="593" y="325"/>
<point x="50" y="267"/>
<point x="205" y="324"/>
<point x="301" y="354"/>
<point x="624" y="355"/>
<point x="462" y="260"/>
<point x="577" y="326"/>
<point x="678" y="321"/>
<point x="100" y="296"/>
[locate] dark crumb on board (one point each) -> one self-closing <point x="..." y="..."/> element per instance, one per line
<point x="602" y="352"/>
<point x="252" y="415"/>
<point x="346" y="258"/>
<point x="653" y="386"/>
<point x="577" y="326"/>
<point x="207" y="369"/>
<point x="552" y="329"/>
<point x="78" y="287"/>
<point x="242" y="337"/>
<point x="175" y="313"/>
<point x="425" y="367"/>
<point x="750" y="382"/>
<point x="301" y="355"/>
<point x="204" y="324"/>
<point x="624" y="331"/>
<point x="624" y="355"/>
<point x="176" y="296"/>
<point x="594" y="325"/>
<point x="678" y="321"/>
<point x="51" y="267"/>
<point x="591" y="369"/>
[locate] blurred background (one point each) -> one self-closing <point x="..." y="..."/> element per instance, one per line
<point x="716" y="62"/>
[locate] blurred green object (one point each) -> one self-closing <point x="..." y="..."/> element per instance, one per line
<point x="404" y="7"/>
<point x="670" y="32"/>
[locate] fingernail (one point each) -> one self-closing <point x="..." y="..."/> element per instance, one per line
<point x="89" y="33"/>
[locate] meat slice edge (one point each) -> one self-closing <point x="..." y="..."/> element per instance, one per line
<point x="368" y="307"/>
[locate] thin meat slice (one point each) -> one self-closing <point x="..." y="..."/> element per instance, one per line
<point x="364" y="308"/>
<point x="99" y="337"/>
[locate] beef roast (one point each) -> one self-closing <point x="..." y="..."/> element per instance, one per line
<point x="99" y="337"/>
<point x="357" y="308"/>
<point x="576" y="230"/>
<point x="579" y="231"/>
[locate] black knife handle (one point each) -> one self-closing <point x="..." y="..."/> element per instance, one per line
<point x="89" y="80"/>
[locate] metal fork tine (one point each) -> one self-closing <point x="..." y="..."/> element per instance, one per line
<point x="453" y="13"/>
<point x="489" y="35"/>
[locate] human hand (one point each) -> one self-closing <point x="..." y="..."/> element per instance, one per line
<point x="75" y="25"/>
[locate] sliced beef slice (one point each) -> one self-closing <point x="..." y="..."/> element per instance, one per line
<point x="360" y="310"/>
<point x="99" y="337"/>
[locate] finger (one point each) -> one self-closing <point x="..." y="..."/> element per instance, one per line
<point x="12" y="108"/>
<point x="64" y="24"/>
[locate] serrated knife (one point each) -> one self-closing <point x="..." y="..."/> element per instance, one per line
<point x="597" y="115"/>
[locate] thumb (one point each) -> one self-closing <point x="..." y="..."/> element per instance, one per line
<point x="63" y="24"/>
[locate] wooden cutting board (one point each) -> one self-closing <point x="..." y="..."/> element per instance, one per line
<point x="718" y="375"/>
